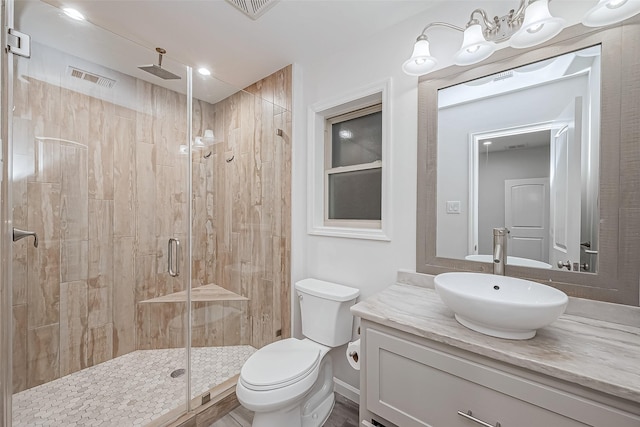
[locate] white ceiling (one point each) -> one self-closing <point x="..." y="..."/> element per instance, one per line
<point x="210" y="33"/>
<point x="123" y="34"/>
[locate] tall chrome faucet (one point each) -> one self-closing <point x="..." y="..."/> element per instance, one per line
<point x="499" y="250"/>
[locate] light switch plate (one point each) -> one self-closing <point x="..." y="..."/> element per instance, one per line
<point x="453" y="207"/>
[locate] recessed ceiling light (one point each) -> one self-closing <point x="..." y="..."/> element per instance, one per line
<point x="345" y="134"/>
<point x="73" y="13"/>
<point x="486" y="143"/>
<point x="204" y="71"/>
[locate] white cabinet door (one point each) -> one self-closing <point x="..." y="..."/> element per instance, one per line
<point x="412" y="385"/>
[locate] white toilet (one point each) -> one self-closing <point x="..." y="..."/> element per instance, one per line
<point x="289" y="383"/>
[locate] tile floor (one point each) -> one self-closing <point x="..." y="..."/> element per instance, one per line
<point x="129" y="390"/>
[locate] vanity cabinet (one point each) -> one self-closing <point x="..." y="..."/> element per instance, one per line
<point x="411" y="381"/>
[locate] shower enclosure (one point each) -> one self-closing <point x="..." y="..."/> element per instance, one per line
<point x="162" y="213"/>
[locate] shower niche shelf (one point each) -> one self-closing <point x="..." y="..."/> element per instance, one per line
<point x="204" y="293"/>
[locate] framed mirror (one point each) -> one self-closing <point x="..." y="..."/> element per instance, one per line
<point x="530" y="136"/>
<point x="542" y="142"/>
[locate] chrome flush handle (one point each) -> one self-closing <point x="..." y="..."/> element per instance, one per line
<point x="19" y="234"/>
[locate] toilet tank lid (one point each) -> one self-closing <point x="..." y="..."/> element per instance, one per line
<point x="328" y="290"/>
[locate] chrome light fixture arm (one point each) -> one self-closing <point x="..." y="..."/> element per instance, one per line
<point x="500" y="28"/>
<point x="440" y="24"/>
<point x="490" y="25"/>
<point x="518" y="15"/>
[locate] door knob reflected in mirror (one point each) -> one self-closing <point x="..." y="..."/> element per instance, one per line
<point x="21" y="234"/>
<point x="566" y="264"/>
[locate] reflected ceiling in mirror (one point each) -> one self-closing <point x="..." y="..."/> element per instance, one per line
<point x="520" y="150"/>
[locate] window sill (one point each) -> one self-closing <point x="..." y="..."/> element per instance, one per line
<point x="350" y="233"/>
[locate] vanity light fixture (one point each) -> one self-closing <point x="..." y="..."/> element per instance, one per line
<point x="527" y="26"/>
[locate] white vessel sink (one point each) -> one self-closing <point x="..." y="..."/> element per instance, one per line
<point x="500" y="306"/>
<point x="511" y="260"/>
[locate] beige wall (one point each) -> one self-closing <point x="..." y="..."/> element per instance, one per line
<point x="105" y="204"/>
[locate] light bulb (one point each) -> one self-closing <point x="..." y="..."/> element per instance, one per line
<point x="535" y="28"/>
<point x="608" y="12"/>
<point x="614" y="4"/>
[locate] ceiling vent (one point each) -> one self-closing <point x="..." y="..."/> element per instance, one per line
<point x="254" y="9"/>
<point x="91" y="77"/>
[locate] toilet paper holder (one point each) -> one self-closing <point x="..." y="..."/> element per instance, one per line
<point x="352" y="353"/>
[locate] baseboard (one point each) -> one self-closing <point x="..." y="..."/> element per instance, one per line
<point x="346" y="390"/>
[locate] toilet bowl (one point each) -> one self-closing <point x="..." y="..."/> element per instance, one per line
<point x="289" y="383"/>
<point x="277" y="381"/>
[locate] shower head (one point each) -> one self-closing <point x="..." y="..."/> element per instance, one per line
<point x="157" y="70"/>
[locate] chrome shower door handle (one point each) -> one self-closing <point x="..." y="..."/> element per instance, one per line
<point x="21" y="234"/>
<point x="174" y="271"/>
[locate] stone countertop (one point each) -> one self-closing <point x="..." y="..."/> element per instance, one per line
<point x="596" y="354"/>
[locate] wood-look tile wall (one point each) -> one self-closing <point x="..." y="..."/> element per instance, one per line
<point x="106" y="195"/>
<point x="245" y="243"/>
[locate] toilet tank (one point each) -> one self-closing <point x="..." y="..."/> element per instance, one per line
<point x="324" y="308"/>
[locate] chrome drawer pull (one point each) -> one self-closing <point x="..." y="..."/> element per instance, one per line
<point x="469" y="416"/>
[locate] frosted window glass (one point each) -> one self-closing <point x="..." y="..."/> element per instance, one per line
<point x="355" y="195"/>
<point x="357" y="141"/>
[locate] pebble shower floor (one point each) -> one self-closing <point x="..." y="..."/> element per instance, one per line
<point x="129" y="390"/>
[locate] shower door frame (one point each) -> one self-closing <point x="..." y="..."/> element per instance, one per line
<point x="6" y="321"/>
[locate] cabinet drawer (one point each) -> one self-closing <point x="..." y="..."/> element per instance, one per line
<point x="413" y="385"/>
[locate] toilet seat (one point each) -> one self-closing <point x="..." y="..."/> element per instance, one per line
<point x="280" y="364"/>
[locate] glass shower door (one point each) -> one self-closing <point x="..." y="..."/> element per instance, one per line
<point x="241" y="188"/>
<point x="99" y="305"/>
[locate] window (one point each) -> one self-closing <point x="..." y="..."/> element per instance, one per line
<point x="349" y="169"/>
<point x="353" y="169"/>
